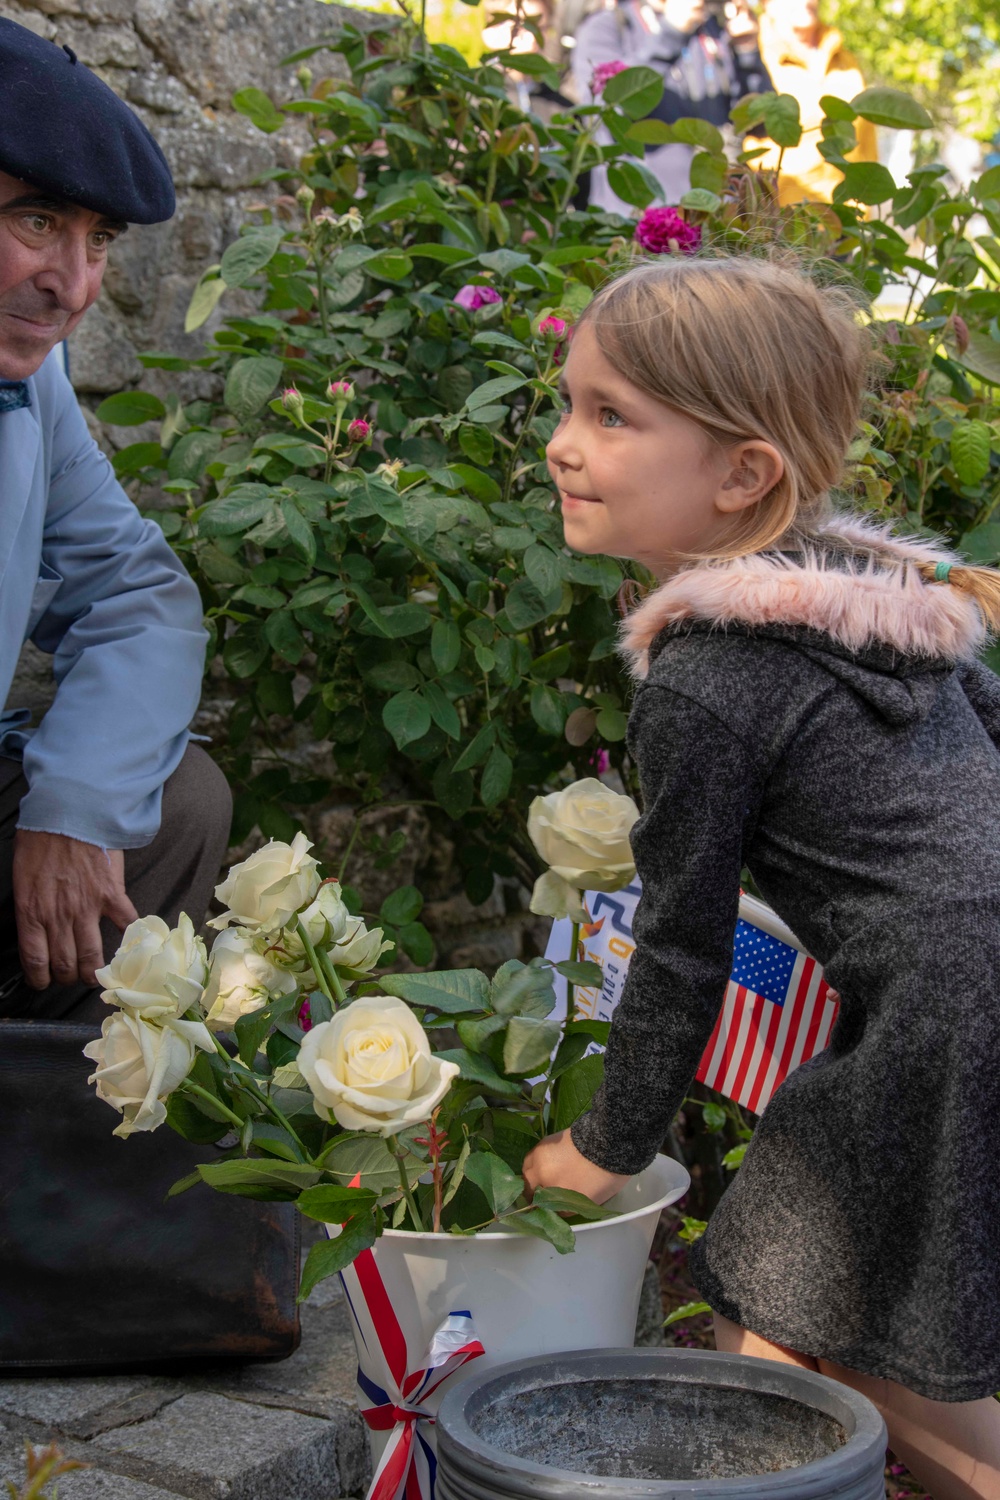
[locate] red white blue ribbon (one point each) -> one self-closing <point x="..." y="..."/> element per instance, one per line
<point x="408" y="1467"/>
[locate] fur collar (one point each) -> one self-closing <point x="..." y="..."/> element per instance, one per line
<point x="856" y="582"/>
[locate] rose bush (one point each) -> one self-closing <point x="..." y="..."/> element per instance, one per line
<point x="372" y="1068"/>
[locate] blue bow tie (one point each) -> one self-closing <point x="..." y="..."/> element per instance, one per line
<point x="13" y="394"/>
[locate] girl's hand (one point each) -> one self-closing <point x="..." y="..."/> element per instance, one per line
<point x="555" y="1162"/>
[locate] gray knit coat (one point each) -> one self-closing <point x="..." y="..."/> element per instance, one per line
<point x="820" y="718"/>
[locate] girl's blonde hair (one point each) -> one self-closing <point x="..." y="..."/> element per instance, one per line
<point x="755" y="348"/>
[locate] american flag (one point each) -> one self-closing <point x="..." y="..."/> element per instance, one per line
<point x="778" y="1010"/>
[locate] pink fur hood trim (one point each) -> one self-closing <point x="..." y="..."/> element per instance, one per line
<point x="861" y="588"/>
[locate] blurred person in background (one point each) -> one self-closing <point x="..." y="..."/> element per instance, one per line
<point x="807" y="59"/>
<point x="707" y="54"/>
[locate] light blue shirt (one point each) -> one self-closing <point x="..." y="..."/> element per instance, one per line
<point x="90" y="582"/>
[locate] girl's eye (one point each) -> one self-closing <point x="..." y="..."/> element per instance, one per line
<point x="611" y="418"/>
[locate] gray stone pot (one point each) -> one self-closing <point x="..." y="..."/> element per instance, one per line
<point x="665" y="1423"/>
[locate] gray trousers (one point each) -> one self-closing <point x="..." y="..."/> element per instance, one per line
<point x="176" y="872"/>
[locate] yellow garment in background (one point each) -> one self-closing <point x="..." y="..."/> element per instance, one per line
<point x="807" y="73"/>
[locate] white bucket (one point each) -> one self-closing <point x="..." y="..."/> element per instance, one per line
<point x="524" y="1297"/>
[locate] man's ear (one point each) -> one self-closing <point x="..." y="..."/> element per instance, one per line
<point x="750" y="471"/>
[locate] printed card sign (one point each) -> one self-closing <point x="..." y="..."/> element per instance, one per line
<point x="778" y="1009"/>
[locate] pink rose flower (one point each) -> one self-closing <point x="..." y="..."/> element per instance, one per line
<point x="601" y="762"/>
<point x="665" y="231"/>
<point x="359" y="431"/>
<point x="473" y="297"/>
<point x="305" y="1016"/>
<point x="552" y="328"/>
<point x="340" y="391"/>
<point x="603" y="73"/>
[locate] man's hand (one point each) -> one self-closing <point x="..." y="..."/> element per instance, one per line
<point x="62" y="889"/>
<point x="555" y="1162"/>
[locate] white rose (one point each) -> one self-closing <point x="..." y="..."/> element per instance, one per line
<point x="582" y="835"/>
<point x="240" y="980"/>
<point x="360" y="947"/>
<point x="266" y="890"/>
<point x="325" y="920"/>
<point x="372" y="1066"/>
<point x="139" y="1065"/>
<point x="158" y="971"/>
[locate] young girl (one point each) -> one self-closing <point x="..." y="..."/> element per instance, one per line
<point x="810" y="706"/>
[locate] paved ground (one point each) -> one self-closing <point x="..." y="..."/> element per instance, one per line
<point x="284" y="1431"/>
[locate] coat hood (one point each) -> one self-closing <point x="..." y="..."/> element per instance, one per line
<point x="851" y="599"/>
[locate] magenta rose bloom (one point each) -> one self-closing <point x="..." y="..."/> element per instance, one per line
<point x="472" y="297"/>
<point x="665" y="232"/>
<point x="603" y="73"/>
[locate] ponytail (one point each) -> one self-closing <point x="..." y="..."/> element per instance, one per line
<point x="981" y="585"/>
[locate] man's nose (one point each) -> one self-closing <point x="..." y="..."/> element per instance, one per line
<point x="68" y="274"/>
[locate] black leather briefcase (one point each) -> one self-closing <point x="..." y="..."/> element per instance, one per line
<point x="98" y="1269"/>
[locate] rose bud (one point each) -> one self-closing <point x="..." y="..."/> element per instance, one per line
<point x="292" y="401"/>
<point x="359" y="431"/>
<point x="340" y="392"/>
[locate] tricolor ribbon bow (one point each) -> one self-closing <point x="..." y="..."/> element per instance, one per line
<point x="408" y="1466"/>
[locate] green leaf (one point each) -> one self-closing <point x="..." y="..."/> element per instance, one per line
<point x="565" y="1201"/>
<point x="450" y="990"/>
<point x="542" y="1223"/>
<point x="130" y="408"/>
<point x="891" y="107"/>
<point x="581" y="972"/>
<point x="332" y="1205"/>
<point x="523" y="989"/>
<point x="449" y="254"/>
<point x="612" y="724"/>
<point x="701" y="200"/>
<point x="259" y="109"/>
<point x="404" y="905"/>
<point x="499" y="1185"/>
<point x="631" y="182"/>
<point x="327" y="1257"/>
<point x="446" y="645"/>
<point x="455" y="792"/>
<point x="476" y="443"/>
<point x="285" y="637"/>
<point x="636" y="90"/>
<point x="982" y="357"/>
<point x="548" y="709"/>
<point x="416" y="942"/>
<point x="192" y="453"/>
<point x="529" y="1044"/>
<point x="970" y="447"/>
<point x="242" y="508"/>
<point x="526" y="607"/>
<point x="203" y="300"/>
<point x="248" y="255"/>
<point x="478" y="1069"/>
<point x="988" y="185"/>
<point x="496" y="778"/>
<point x="249" y="384"/>
<point x="369" y="1158"/>
<point x="577" y="1087"/>
<point x="782" y="120"/>
<point x="492" y="390"/>
<point x="250" y="1031"/>
<point x="443" y="711"/>
<point x="389" y="265"/>
<point x="407" y="718"/>
<point x="475" y="1034"/>
<point x="865" y="182"/>
<point x="734" y="1158"/>
<point x="299" y="530"/>
<point x="187" y="1115"/>
<point x="693" y="132"/>
<point x="135" y="457"/>
<point x="688" y="1310"/>
<point x="692" y="1229"/>
<point x="503" y="262"/>
<point x="477" y="748"/>
<point x="255" y="1178"/>
<point x="982" y="544"/>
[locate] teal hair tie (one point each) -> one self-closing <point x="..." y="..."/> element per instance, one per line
<point x="941" y="572"/>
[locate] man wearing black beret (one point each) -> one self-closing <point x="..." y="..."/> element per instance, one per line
<point x="106" y="811"/>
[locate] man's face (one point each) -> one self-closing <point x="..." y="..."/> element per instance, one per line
<point x="52" y="259"/>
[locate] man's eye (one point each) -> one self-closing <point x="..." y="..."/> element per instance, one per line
<point x="37" y="223"/>
<point x="611" y="418"/>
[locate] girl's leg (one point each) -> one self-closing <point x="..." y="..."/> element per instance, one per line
<point x="951" y="1447"/>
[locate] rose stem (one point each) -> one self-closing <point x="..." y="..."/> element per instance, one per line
<point x="332" y="976"/>
<point x="317" y="966"/>
<point x="411" y="1202"/>
<point x="187" y="1087"/>
<point x="570" y="987"/>
<point x="249" y="1084"/>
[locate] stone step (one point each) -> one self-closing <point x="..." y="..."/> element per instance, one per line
<point x="283" y="1431"/>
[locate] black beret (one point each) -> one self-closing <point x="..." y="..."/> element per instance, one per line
<point x="64" y="131"/>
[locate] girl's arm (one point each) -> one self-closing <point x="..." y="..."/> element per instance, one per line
<point x="982" y="688"/>
<point x="701" y="788"/>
